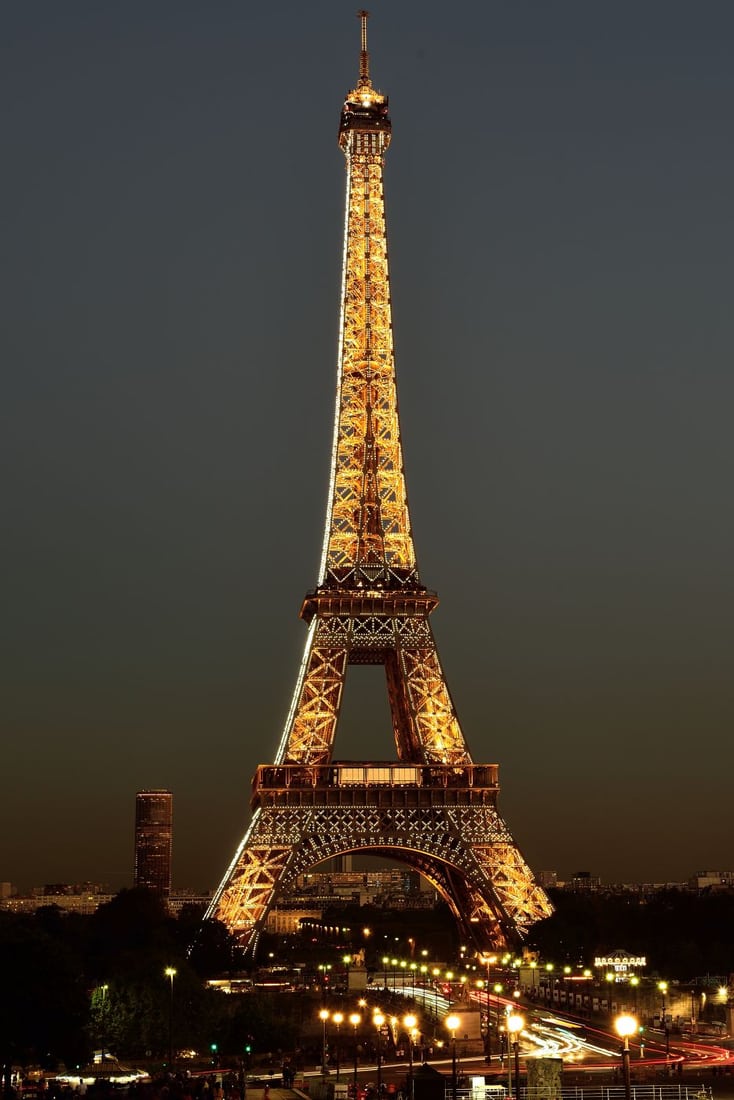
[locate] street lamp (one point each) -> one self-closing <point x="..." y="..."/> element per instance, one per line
<point x="338" y="1019"/>
<point x="435" y="974"/>
<point x="663" y="987"/>
<point x="103" y="1019"/>
<point x="548" y="984"/>
<point x="489" y="961"/>
<point x="626" y="1025"/>
<point x="409" y="1023"/>
<point x="497" y="989"/>
<point x="355" y="1020"/>
<point x="378" y="1020"/>
<point x="170" y="973"/>
<point x="452" y="1023"/>
<point x="515" y="1024"/>
<point x="323" y="1016"/>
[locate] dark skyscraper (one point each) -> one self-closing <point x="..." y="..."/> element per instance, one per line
<point x="153" y="838"/>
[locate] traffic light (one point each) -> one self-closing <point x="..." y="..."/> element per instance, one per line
<point x="248" y="1048"/>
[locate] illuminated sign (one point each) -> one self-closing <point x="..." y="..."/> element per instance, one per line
<point x="620" y="962"/>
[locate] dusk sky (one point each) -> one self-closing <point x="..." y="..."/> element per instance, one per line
<point x="560" y="202"/>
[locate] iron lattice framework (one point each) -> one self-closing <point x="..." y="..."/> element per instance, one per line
<point x="433" y="808"/>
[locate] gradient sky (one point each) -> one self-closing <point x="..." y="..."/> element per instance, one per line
<point x="561" y="228"/>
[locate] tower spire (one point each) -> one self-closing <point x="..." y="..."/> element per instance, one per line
<point x="364" y="57"/>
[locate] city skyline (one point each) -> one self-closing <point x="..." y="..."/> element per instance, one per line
<point x="562" y="324"/>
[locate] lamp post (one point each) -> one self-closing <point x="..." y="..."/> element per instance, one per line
<point x="625" y="1026"/>
<point x="409" y="1023"/>
<point x="452" y="1023"/>
<point x="323" y="1016"/>
<point x="338" y="1019"/>
<point x="489" y="961"/>
<point x="103" y="1020"/>
<point x="170" y="973"/>
<point x="498" y="988"/>
<point x="515" y="1024"/>
<point x="549" y="987"/>
<point x="663" y="987"/>
<point x="423" y="980"/>
<point x="378" y="1020"/>
<point x="435" y="974"/>
<point x="355" y="1020"/>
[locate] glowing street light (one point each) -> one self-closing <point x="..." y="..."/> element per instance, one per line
<point x="625" y="1026"/>
<point x="515" y="1024"/>
<point x="378" y="1020"/>
<point x="452" y="1023"/>
<point x="663" y="987"/>
<point x="323" y="1016"/>
<point x="409" y="1023"/>
<point x="170" y="973"/>
<point x="489" y="961"/>
<point x="103" y="1018"/>
<point x="496" y="989"/>
<point x="338" y="1019"/>
<point x="355" y="1020"/>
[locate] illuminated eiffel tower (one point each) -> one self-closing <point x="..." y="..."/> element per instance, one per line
<point x="433" y="808"/>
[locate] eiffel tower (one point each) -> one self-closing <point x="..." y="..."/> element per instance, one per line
<point x="433" y="808"/>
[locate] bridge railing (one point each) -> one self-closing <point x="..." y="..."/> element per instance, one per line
<point x="587" y="1092"/>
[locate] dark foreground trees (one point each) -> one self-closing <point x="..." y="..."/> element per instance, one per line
<point x="72" y="984"/>
<point x="44" y="1005"/>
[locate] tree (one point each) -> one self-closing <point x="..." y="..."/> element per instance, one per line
<point x="43" y="1009"/>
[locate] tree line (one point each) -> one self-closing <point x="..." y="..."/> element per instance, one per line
<point x="72" y="984"/>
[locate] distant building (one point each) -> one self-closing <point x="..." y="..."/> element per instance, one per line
<point x="584" y="880"/>
<point x="704" y="880"/>
<point x="188" y="898"/>
<point x="68" y="889"/>
<point x="71" y="899"/>
<point x="153" y="840"/>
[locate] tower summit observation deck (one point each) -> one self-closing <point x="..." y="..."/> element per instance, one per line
<point x="433" y="808"/>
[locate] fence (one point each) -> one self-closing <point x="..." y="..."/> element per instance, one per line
<point x="590" y="1092"/>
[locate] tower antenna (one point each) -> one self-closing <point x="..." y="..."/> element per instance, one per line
<point x="364" y="57"/>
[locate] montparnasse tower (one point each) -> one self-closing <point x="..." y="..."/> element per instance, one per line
<point x="431" y="807"/>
